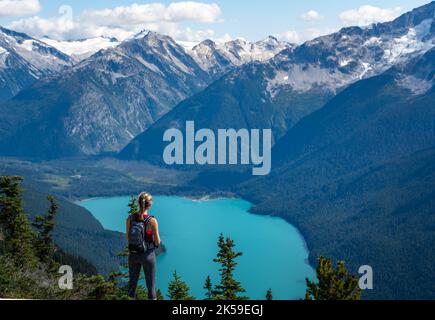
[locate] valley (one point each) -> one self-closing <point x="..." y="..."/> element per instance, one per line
<point x="352" y="137"/>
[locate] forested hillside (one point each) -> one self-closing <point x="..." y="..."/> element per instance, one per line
<point x="79" y="233"/>
<point x="358" y="179"/>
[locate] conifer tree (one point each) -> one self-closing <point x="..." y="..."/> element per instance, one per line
<point x="208" y="286"/>
<point x="133" y="210"/>
<point x="101" y="289"/>
<point x="133" y="206"/>
<point x="44" y="245"/>
<point x="159" y="295"/>
<point x="178" y="289"/>
<point x="17" y="231"/>
<point x="228" y="288"/>
<point x="333" y="283"/>
<point x="269" y="295"/>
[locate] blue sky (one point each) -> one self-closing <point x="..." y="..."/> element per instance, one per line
<point x="194" y="21"/>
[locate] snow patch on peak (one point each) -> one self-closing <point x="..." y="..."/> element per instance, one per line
<point x="154" y="39"/>
<point x="411" y="42"/>
<point x="271" y="40"/>
<point x="373" y="41"/>
<point x="345" y="62"/>
<point x="82" y="49"/>
<point x="27" y="45"/>
<point x="415" y="85"/>
<point x="3" y="56"/>
<point x="236" y="52"/>
<point x="41" y="56"/>
<point x="205" y="44"/>
<point x="303" y="78"/>
<point x="366" y="68"/>
<point x="142" y="34"/>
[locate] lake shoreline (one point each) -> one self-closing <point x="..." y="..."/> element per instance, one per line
<point x="288" y="259"/>
<point x="207" y="196"/>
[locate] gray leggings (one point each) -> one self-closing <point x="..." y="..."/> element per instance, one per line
<point x="146" y="260"/>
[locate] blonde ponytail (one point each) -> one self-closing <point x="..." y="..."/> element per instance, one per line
<point x="145" y="199"/>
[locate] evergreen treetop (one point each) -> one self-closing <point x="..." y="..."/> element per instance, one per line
<point x="333" y="283"/>
<point x="228" y="288"/>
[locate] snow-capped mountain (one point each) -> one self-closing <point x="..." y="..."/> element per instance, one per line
<point x="24" y="59"/>
<point x="241" y="52"/>
<point x="84" y="48"/>
<point x="334" y="61"/>
<point x="220" y="58"/>
<point x="115" y="94"/>
<point x="103" y="102"/>
<point x="299" y="80"/>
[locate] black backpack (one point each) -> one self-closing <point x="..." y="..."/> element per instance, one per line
<point x="136" y="236"/>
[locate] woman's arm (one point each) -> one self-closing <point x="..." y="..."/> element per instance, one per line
<point x="155" y="230"/>
<point x="127" y="227"/>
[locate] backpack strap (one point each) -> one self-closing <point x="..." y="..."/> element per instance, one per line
<point x="147" y="220"/>
<point x="145" y="223"/>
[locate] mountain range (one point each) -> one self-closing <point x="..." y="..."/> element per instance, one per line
<point x="281" y="91"/>
<point x="218" y="59"/>
<point x="102" y="102"/>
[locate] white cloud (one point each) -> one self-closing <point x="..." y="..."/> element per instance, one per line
<point x="225" y="38"/>
<point x="54" y="27"/>
<point x="312" y="33"/>
<point x="193" y="11"/>
<point x="305" y="34"/>
<point x="366" y="15"/>
<point x="290" y="36"/>
<point x="155" y="12"/>
<point x="16" y="8"/>
<point x="124" y="21"/>
<point x="311" y="15"/>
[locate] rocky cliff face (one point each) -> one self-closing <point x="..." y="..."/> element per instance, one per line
<point x="218" y="59"/>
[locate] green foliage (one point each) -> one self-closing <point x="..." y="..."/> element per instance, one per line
<point x="269" y="295"/>
<point x="178" y="289"/>
<point x="208" y="286"/>
<point x="24" y="282"/>
<point x="159" y="295"/>
<point x="97" y="288"/>
<point x="44" y="225"/>
<point x="333" y="283"/>
<point x="22" y="275"/>
<point x="228" y="288"/>
<point x="133" y="206"/>
<point x="77" y="263"/>
<point x="17" y="232"/>
<point x="77" y="232"/>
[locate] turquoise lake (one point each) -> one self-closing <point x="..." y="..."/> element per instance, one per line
<point x="274" y="253"/>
